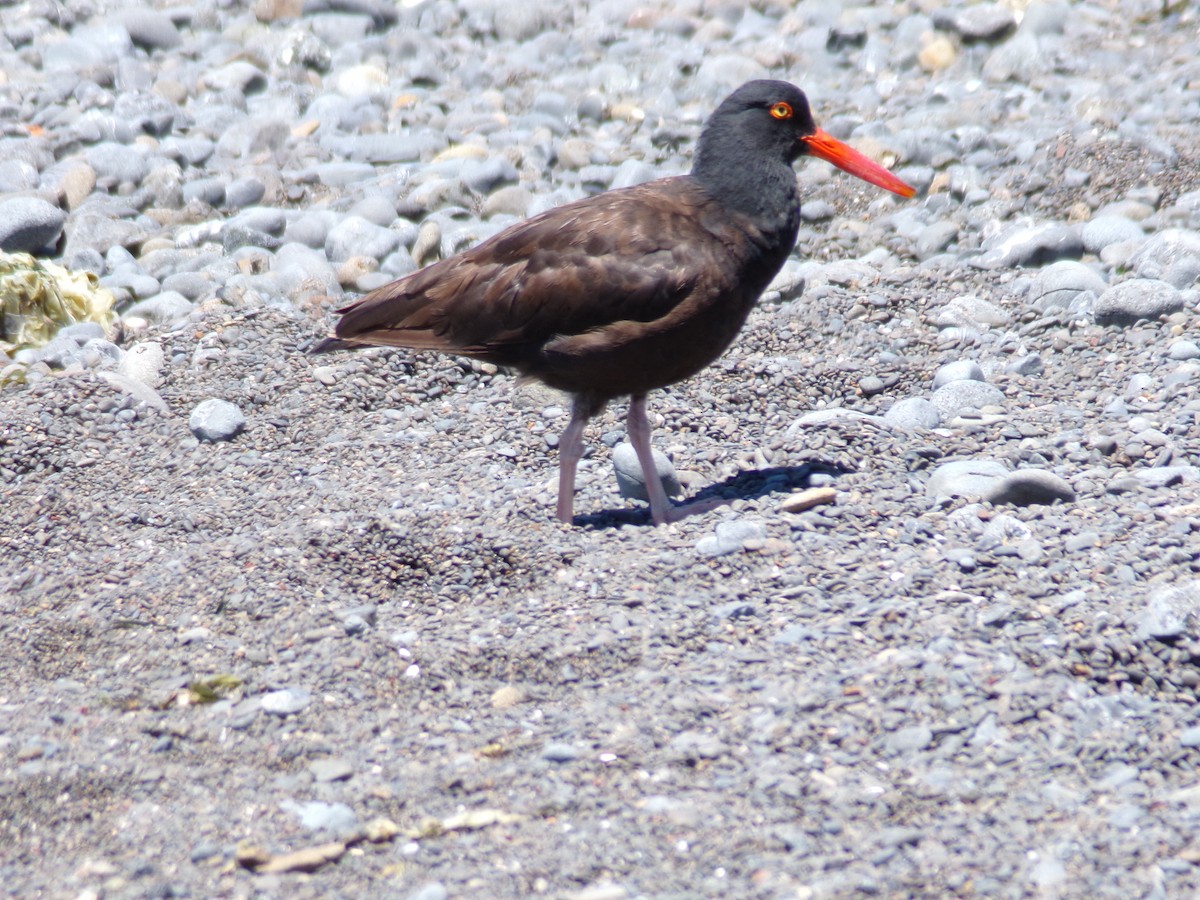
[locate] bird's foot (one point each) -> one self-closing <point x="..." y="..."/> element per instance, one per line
<point x="696" y="507"/>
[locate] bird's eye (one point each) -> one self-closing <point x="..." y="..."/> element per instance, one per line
<point x="781" y="110"/>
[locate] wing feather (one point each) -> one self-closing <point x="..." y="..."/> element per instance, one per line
<point x="619" y="256"/>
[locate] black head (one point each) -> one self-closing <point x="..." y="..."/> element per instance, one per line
<point x="760" y="129"/>
<point x="761" y="121"/>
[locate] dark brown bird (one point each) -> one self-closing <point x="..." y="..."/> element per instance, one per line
<point x="629" y="290"/>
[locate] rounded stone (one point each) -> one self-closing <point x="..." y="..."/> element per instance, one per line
<point x="951" y="399"/>
<point x="970" y="478"/>
<point x="730" y="536"/>
<point x="165" y="307"/>
<point x="1029" y="487"/>
<point x="1101" y="231"/>
<point x="630" y="481"/>
<point x="29" y="224"/>
<point x="143" y="362"/>
<point x="216" y="420"/>
<point x="117" y="162"/>
<point x="1183" y="350"/>
<point x="1139" y="298"/>
<point x="959" y="370"/>
<point x="1059" y="283"/>
<point x="355" y="236"/>
<point x="1172" y="256"/>
<point x="913" y="414"/>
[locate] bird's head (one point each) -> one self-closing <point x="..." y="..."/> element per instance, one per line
<point x="765" y="122"/>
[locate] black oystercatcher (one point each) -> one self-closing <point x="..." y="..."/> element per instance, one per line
<point x="629" y="290"/>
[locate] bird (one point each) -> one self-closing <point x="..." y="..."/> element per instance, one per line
<point x="625" y="291"/>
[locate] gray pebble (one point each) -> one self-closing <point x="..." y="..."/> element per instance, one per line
<point x="1026" y="245"/>
<point x="690" y="746"/>
<point x="959" y="370"/>
<point x="913" y="414"/>
<point x="1171" y="612"/>
<point x="193" y="150"/>
<point x="1138" y="298"/>
<point x="934" y="238"/>
<point x="140" y="392"/>
<point x="1026" y="365"/>
<point x="216" y="420"/>
<point x="870" y="385"/>
<point x="1183" y="350"/>
<point x="513" y="201"/>
<point x="117" y="162"/>
<point x="131" y="277"/>
<point x="820" y="211"/>
<point x="1057" y="284"/>
<point x="354" y="236"/>
<point x="1166" y="476"/>
<point x="1172" y="256"/>
<point x="205" y="190"/>
<point x="730" y="536"/>
<point x="560" y="753"/>
<point x="1027" y="487"/>
<point x="630" y="480"/>
<point x="972" y="312"/>
<point x="29" y="224"/>
<point x="1101" y="231"/>
<point x="57" y="353"/>
<point x="150" y="29"/>
<point x="485" y="176"/>
<point x="970" y="478"/>
<point x="301" y="269"/>
<point x="235" y="236"/>
<point x="203" y="851"/>
<point x="167" y="307"/>
<point x="1004" y="529"/>
<point x="325" y="771"/>
<point x="96" y="229"/>
<point x="82" y="332"/>
<point x="957" y="396"/>
<point x="243" y="192"/>
<point x="984" y="22"/>
<point x="376" y="209"/>
<point x="144" y="111"/>
<point x="240" y="76"/>
<point x="316" y="815"/>
<point x="143" y="362"/>
<point x="286" y="701"/>
<point x="909" y="739"/>
<point x="1019" y="59"/>
<point x="17" y="175"/>
<point x="311" y="229"/>
<point x="192" y="285"/>
<point x="820" y="417"/>
<point x="633" y="171"/>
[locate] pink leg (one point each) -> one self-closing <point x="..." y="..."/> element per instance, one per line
<point x="661" y="510"/>
<point x="570" y="449"/>
<point x="638" y="427"/>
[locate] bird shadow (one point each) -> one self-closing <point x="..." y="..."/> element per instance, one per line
<point x="749" y="485"/>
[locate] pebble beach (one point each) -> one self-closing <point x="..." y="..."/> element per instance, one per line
<point x="283" y="625"/>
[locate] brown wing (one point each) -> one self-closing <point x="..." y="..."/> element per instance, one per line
<point x="623" y="256"/>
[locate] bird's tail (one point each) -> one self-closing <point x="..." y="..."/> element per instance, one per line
<point x="329" y="344"/>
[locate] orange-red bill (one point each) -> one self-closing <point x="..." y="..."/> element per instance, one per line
<point x="823" y="145"/>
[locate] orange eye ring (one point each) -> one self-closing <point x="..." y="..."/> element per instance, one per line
<point x="781" y="110"/>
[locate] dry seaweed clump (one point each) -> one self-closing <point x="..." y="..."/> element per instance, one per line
<point x="38" y="297"/>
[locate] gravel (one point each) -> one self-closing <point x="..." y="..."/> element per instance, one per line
<point x="925" y="643"/>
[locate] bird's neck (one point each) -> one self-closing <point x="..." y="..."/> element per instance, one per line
<point x="764" y="190"/>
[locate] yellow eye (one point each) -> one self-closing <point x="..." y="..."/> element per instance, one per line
<point x="781" y="110"/>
